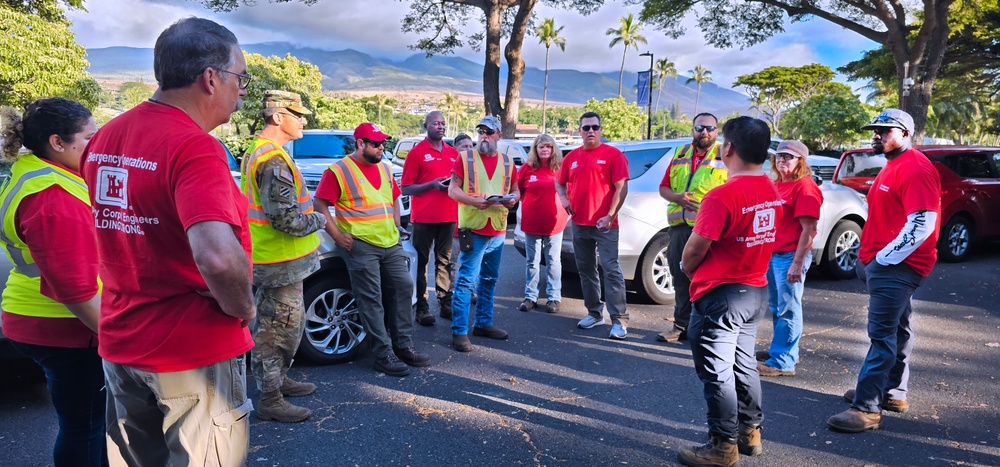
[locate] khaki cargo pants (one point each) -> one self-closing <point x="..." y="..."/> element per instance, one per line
<point x="184" y="418"/>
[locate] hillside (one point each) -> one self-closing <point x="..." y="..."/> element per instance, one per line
<point x="354" y="71"/>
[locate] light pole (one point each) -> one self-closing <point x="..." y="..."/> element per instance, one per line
<point x="649" y="98"/>
<point x="907" y="83"/>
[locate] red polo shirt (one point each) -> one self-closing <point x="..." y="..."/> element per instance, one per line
<point x="423" y="164"/>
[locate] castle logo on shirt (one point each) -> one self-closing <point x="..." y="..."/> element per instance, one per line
<point x="428" y="157"/>
<point x="573" y="165"/>
<point x="763" y="220"/>
<point x="533" y="178"/>
<point x="112" y="186"/>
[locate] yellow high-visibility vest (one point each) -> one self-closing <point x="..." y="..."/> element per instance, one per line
<point x="710" y="173"/>
<point x="364" y="212"/>
<point x="476" y="182"/>
<point x="30" y="175"/>
<point x="269" y="244"/>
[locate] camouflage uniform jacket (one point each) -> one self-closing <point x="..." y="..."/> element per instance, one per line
<point x="277" y="197"/>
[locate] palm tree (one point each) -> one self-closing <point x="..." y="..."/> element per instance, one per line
<point x="381" y="101"/>
<point x="663" y="69"/>
<point x="628" y="35"/>
<point x="699" y="75"/>
<point x="548" y="34"/>
<point x="452" y="108"/>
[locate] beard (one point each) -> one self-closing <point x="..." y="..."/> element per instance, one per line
<point x="487" y="147"/>
<point x="878" y="146"/>
<point x="704" y="142"/>
<point x="239" y="104"/>
<point x="372" y="158"/>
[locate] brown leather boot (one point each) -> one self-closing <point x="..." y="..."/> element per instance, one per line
<point x="292" y="388"/>
<point x="854" y="421"/>
<point x="274" y="407"/>
<point x="892" y="405"/>
<point x="718" y="451"/>
<point x="748" y="442"/>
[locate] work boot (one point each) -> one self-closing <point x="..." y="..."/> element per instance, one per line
<point x="891" y="405"/>
<point x="391" y="365"/>
<point x="292" y="388"/>
<point x="274" y="407"/>
<point x="412" y="357"/>
<point x="718" y="451"/>
<point x="673" y="335"/>
<point x="425" y="318"/>
<point x="446" y="310"/>
<point x="461" y="342"/>
<point x="527" y="305"/>
<point x="492" y="332"/>
<point x="767" y="370"/>
<point x="748" y="442"/>
<point x="854" y="421"/>
<point x="553" y="306"/>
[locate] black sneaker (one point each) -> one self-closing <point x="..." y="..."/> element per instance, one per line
<point x="412" y="357"/>
<point x="391" y="366"/>
<point x="527" y="305"/>
<point x="553" y="306"/>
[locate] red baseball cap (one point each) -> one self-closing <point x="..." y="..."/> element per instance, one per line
<point x="370" y="131"/>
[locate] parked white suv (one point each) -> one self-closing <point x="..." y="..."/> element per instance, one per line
<point x="643" y="224"/>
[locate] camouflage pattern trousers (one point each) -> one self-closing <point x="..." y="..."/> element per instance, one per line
<point x="276" y="334"/>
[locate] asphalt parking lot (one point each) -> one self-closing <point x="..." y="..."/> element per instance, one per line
<point x="556" y="395"/>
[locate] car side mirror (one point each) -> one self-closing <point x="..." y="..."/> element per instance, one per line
<point x="817" y="179"/>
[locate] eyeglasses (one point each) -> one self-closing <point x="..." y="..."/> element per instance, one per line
<point x="701" y="128"/>
<point x="786" y="157"/>
<point x="245" y="78"/>
<point x="590" y="128"/>
<point x="374" y="144"/>
<point x="486" y="131"/>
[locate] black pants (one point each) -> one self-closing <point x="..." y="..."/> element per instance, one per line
<point x="439" y="236"/>
<point x="678" y="237"/>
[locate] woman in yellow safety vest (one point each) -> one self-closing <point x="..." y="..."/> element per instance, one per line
<point x="51" y="301"/>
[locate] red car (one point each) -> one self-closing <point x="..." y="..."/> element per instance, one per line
<point x="970" y="191"/>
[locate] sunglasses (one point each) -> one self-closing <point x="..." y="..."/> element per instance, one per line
<point x="701" y="128"/>
<point x="882" y="131"/>
<point x="245" y="78"/>
<point x="590" y="128"/>
<point x="786" y="157"/>
<point x="300" y="118"/>
<point x="374" y="144"/>
<point x="486" y="131"/>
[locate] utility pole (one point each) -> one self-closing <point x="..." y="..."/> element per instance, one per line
<point x="649" y="98"/>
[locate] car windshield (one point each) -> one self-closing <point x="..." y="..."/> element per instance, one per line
<point x="640" y="160"/>
<point x="320" y="146"/>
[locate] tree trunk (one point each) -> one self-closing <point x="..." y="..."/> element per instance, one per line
<point x="515" y="66"/>
<point x="697" y="99"/>
<point x="545" y="89"/>
<point x="621" y="72"/>
<point x="491" y="70"/>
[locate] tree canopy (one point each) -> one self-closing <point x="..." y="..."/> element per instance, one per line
<point x="830" y="118"/>
<point x="775" y="89"/>
<point x="620" y="120"/>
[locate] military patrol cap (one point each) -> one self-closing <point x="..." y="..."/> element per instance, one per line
<point x="490" y="122"/>
<point x="275" y="99"/>
<point x="891" y="118"/>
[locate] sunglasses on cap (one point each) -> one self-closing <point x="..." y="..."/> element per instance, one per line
<point x="590" y="127"/>
<point x="887" y="119"/>
<point x="701" y="128"/>
<point x="486" y="131"/>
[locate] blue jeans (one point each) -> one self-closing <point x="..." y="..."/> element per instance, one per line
<point x="722" y="332"/>
<point x="587" y="243"/>
<point x="886" y="371"/>
<point x="75" y="379"/>
<point x="551" y="247"/>
<point x="785" y="301"/>
<point x="483" y="262"/>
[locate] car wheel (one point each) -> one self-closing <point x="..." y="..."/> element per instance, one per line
<point x="841" y="252"/>
<point x="333" y="329"/>
<point x="956" y="240"/>
<point x="656" y="284"/>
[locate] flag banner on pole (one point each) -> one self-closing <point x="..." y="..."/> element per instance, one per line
<point x="643" y="83"/>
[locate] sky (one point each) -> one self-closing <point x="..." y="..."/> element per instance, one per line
<point x="373" y="27"/>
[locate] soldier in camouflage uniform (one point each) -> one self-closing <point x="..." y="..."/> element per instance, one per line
<point x="283" y="227"/>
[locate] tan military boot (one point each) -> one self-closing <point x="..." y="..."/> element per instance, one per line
<point x="717" y="452"/>
<point x="274" y="407"/>
<point x="748" y="441"/>
<point x="292" y="388"/>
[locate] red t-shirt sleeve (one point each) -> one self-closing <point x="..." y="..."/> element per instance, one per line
<point x="619" y="171"/>
<point x="809" y="201"/>
<point x="328" y="188"/>
<point x="711" y="217"/>
<point x="666" y="178"/>
<point x="458" y="168"/>
<point x="521" y="175"/>
<point x="411" y="169"/>
<point x="563" y="176"/>
<point x="920" y="190"/>
<point x="60" y="232"/>
<point x="203" y="185"/>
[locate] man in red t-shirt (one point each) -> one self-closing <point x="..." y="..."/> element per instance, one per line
<point x="433" y="213"/>
<point x="727" y="259"/>
<point x="898" y="251"/>
<point x="592" y="185"/>
<point x="174" y="247"/>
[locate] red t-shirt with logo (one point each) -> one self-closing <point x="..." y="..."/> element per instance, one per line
<point x="329" y="190"/>
<point x="152" y="173"/>
<point x="908" y="183"/>
<point x="799" y="198"/>
<point x="490" y="164"/>
<point x="423" y="164"/>
<point x="590" y="177"/>
<point x="541" y="211"/>
<point x="741" y="218"/>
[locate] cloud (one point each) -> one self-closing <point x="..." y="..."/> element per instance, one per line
<point x="373" y="27"/>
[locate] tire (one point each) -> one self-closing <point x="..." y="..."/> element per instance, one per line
<point x="841" y="251"/>
<point x="955" y="241"/>
<point x="333" y="329"/>
<point x="655" y="282"/>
